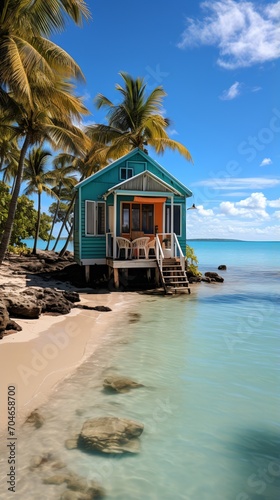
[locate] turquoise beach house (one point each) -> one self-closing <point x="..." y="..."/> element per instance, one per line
<point x="131" y="214"/>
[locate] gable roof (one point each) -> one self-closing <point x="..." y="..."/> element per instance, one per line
<point x="145" y="181"/>
<point x="128" y="156"/>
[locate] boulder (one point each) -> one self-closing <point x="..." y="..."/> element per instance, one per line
<point x="22" y="306"/>
<point x="120" y="384"/>
<point x="222" y="267"/>
<point x="214" y="276"/>
<point x="110" y="435"/>
<point x="12" y="325"/>
<point x="54" y="301"/>
<point x="4" y="318"/>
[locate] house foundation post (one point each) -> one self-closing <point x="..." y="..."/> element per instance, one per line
<point x="87" y="273"/>
<point x="116" y="278"/>
<point x="157" y="276"/>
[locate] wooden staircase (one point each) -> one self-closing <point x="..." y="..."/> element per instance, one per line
<point x="174" y="277"/>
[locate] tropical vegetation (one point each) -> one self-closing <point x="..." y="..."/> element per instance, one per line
<point x="40" y="115"/>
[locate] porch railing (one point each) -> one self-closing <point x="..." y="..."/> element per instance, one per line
<point x="167" y="245"/>
<point x="171" y="248"/>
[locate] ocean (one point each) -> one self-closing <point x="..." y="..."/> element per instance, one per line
<point x="209" y="363"/>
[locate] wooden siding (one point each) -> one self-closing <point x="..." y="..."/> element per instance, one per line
<point x="76" y="230"/>
<point x="94" y="247"/>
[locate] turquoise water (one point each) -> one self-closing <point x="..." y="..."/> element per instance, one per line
<point x="41" y="245"/>
<point x="210" y="406"/>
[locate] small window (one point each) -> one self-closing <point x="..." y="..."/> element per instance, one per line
<point x="95" y="222"/>
<point x="126" y="173"/>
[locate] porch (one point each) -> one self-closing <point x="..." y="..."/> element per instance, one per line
<point x="162" y="253"/>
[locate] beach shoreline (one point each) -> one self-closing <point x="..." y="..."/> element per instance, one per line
<point x="49" y="350"/>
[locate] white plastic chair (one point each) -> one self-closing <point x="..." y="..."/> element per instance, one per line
<point x="152" y="246"/>
<point x="140" y="245"/>
<point x="123" y="244"/>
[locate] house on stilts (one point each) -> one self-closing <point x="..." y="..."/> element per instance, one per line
<point x="132" y="215"/>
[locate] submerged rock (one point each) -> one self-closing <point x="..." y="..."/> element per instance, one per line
<point x="222" y="267"/>
<point x="120" y="384"/>
<point x="110" y="435"/>
<point x="78" y="488"/>
<point x="35" y="418"/>
<point x="214" y="276"/>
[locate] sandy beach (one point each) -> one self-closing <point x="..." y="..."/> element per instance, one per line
<point x="49" y="349"/>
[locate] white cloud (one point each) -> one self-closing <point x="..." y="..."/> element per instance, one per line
<point x="231" y="93"/>
<point x="266" y="161"/>
<point x="235" y="183"/>
<point x="204" y="212"/>
<point x="274" y="203"/>
<point x="277" y="214"/>
<point x="252" y="207"/>
<point x="245" y="33"/>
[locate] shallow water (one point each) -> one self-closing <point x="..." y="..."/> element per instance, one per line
<point x="210" y="406"/>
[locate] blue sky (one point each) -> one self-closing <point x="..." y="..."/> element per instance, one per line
<point x="218" y="62"/>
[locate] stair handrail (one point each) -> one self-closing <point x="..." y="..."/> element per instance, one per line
<point x="177" y="246"/>
<point x="159" y="252"/>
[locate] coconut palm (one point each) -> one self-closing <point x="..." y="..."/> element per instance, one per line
<point x="49" y="118"/>
<point x="64" y="184"/>
<point x="25" y="48"/>
<point x="137" y="121"/>
<point x="38" y="180"/>
<point x="9" y="153"/>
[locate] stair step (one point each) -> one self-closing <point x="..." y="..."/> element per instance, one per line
<point x="181" y="290"/>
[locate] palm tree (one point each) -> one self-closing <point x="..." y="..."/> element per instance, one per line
<point x="87" y="163"/>
<point x="49" y="118"/>
<point x="9" y="153"/>
<point x="24" y="48"/>
<point x="136" y="122"/>
<point x="38" y="181"/>
<point x="64" y="184"/>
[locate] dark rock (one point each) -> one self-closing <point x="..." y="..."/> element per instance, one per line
<point x="222" y="267"/>
<point x="4" y="317"/>
<point x="34" y="267"/>
<point x="120" y="384"/>
<point x="102" y="309"/>
<point x="36" y="419"/>
<point x="205" y="279"/>
<point x="214" y="276"/>
<point x="110" y="435"/>
<point x="21" y="306"/>
<point x="55" y="302"/>
<point x="71" y="296"/>
<point x="12" y="325"/>
<point x="93" y="308"/>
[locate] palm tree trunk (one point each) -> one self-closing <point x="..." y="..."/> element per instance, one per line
<point x="62" y="252"/>
<point x="6" y="236"/>
<point x="65" y="220"/>
<point x="37" y="225"/>
<point x="54" y="219"/>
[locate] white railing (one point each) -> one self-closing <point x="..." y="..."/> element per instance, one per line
<point x="159" y="251"/>
<point x="178" y="251"/>
<point x="167" y="245"/>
